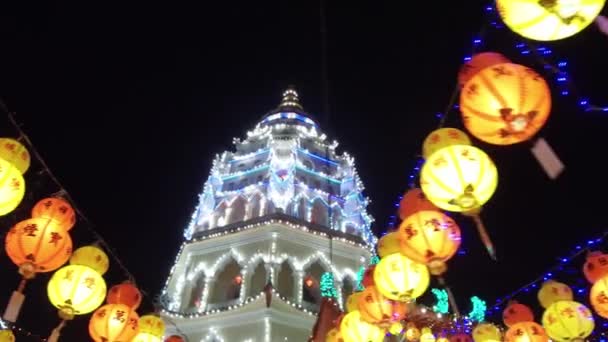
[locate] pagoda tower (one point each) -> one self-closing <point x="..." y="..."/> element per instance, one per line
<point x="276" y="214"/>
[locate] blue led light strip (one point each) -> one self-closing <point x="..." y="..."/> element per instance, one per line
<point x="318" y="157"/>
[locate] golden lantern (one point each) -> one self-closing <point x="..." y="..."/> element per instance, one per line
<point x="355" y="329"/>
<point x="145" y="337"/>
<point x="427" y="335"/>
<point x="56" y="209"/>
<point x="567" y="320"/>
<point x="7" y="336"/>
<point x="76" y="290"/>
<point x="333" y="335"/>
<point x="431" y="238"/>
<point x="526" y="332"/>
<point x="113" y="323"/>
<point x="38" y="245"/>
<point x="127" y="293"/>
<point x="552" y="291"/>
<point x="15" y="153"/>
<point x="151" y="328"/>
<point x="352" y="302"/>
<point x="599" y="297"/>
<point x="12" y="187"/>
<point x="441" y="138"/>
<point x="91" y="256"/>
<point x="375" y="308"/>
<point x="412" y="333"/>
<point x="486" y="332"/>
<point x="399" y="278"/>
<point x="505" y="104"/>
<point x="395" y="328"/>
<point x="548" y="20"/>
<point x="388" y="244"/>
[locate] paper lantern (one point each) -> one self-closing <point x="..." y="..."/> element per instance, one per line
<point x="427" y="335"/>
<point x="91" y="256"/>
<point x="526" y="332"/>
<point x="459" y="178"/>
<point x="515" y="313"/>
<point x="12" y="187"/>
<point x="548" y="20"/>
<point x="596" y="266"/>
<point x="354" y="329"/>
<point x="76" y="290"/>
<point x="477" y="63"/>
<point x="376" y="308"/>
<point x="399" y="278"/>
<point x="174" y="338"/>
<point x="443" y="339"/>
<point x="486" y="332"/>
<point x="461" y="338"/>
<point x="441" y="138"/>
<point x="414" y="201"/>
<point x="568" y="321"/>
<point x="598" y="296"/>
<point x="388" y="244"/>
<point x="412" y="333"/>
<point x="126" y="293"/>
<point x="152" y="324"/>
<point x="57" y="209"/>
<point x="352" y="302"/>
<point x="552" y="291"/>
<point x="431" y="238"/>
<point x="15" y="153"/>
<point x="395" y="328"/>
<point x="7" y="336"/>
<point x="505" y="104"/>
<point x="113" y="323"/>
<point x="38" y="245"/>
<point x="145" y="337"/>
<point x="333" y="336"/>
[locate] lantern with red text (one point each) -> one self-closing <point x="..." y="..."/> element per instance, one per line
<point x="477" y="63"/>
<point x="113" y="323"/>
<point x="56" y="209"/>
<point x="598" y="297"/>
<point x="526" y="332"/>
<point x="388" y="244"/>
<point x="596" y="266"/>
<point x="515" y="313"/>
<point x="12" y="187"/>
<point x="399" y="278"/>
<point x="376" y="308"/>
<point x="566" y="320"/>
<point x="126" y="293"/>
<point x="487" y="332"/>
<point x="15" y="153"/>
<point x="552" y="291"/>
<point x="151" y="329"/>
<point x="431" y="238"/>
<point x="91" y="256"/>
<point x="443" y="137"/>
<point x="414" y="201"/>
<point x="355" y="329"/>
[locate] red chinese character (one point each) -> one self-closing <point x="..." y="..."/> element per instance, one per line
<point x="68" y="275"/>
<point x="435" y="138"/>
<point x="568" y="312"/>
<point x="440" y="162"/>
<point x="55" y="237"/>
<point x="410" y="231"/>
<point x="453" y="134"/>
<point x="89" y="282"/>
<point x="101" y="313"/>
<point x="10" y="146"/>
<point x="30" y="229"/>
<point x="120" y="316"/>
<point x="15" y="184"/>
<point x="602" y="298"/>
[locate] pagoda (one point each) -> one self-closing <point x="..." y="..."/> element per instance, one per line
<point x="277" y="213"/>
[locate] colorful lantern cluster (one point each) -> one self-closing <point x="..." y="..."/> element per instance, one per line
<point x="14" y="162"/>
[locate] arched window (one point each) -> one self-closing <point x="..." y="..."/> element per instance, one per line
<point x="258" y="280"/>
<point x="227" y="285"/>
<point x="302" y="209"/>
<point x="255" y="206"/>
<point x="319" y="213"/>
<point x="220" y="215"/>
<point x="350" y="228"/>
<point x="336" y="218"/>
<point x="348" y="286"/>
<point x="196" y="294"/>
<point x="286" y="280"/>
<point x="311" y="291"/>
<point x="237" y="210"/>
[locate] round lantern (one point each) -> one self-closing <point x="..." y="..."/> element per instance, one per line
<point x="113" y="323"/>
<point x="395" y="328"/>
<point x="441" y="138"/>
<point x="91" y="256"/>
<point x="599" y="297"/>
<point x="12" y="187"/>
<point x="596" y="266"/>
<point x="388" y="244"/>
<point x="76" y="290"/>
<point x="56" y="209"/>
<point x="145" y="337"/>
<point x="15" y="153"/>
<point x="548" y="20"/>
<point x="427" y="335"/>
<point x="566" y="320"/>
<point x="352" y="302"/>
<point x="38" y="245"/>
<point x="400" y="278"/>
<point x="505" y="104"/>
<point x="443" y="339"/>
<point x="515" y="313"/>
<point x="526" y="332"/>
<point x="333" y="335"/>
<point x="368" y="276"/>
<point x="477" y="63"/>
<point x="354" y="329"/>
<point x="486" y="332"/>
<point x="375" y="308"/>
<point x="414" y="201"/>
<point x="126" y="293"/>
<point x="431" y="238"/>
<point x="552" y="291"/>
<point x="153" y="325"/>
<point x="412" y="333"/>
<point x="176" y="338"/>
<point x="7" y="336"/>
<point x="461" y="338"/>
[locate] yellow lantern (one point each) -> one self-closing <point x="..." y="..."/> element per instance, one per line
<point x="91" y="256"/>
<point x="599" y="296"/>
<point x="352" y="302"/>
<point x="412" y="333"/>
<point x="113" y="323"/>
<point x="567" y="320"/>
<point x="333" y="335"/>
<point x="395" y="328"/>
<point x="552" y="291"/>
<point x="427" y="335"/>
<point x="7" y="336"/>
<point x="388" y="244"/>
<point x="354" y="329"/>
<point x="12" y="187"/>
<point x="152" y="325"/>
<point x="443" y="137"/>
<point x="548" y="20"/>
<point x="15" y="153"/>
<point x="76" y="290"/>
<point x="486" y="332"/>
<point x="145" y="337"/>
<point x="399" y="278"/>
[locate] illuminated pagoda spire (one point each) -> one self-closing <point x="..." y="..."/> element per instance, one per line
<point x="291" y="101"/>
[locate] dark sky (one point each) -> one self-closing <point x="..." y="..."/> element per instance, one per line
<point x="128" y="104"/>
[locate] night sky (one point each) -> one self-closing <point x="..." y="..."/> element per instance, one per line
<point x="129" y="103"/>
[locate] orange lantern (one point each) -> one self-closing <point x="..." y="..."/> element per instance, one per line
<point x="515" y="313"/>
<point x="596" y="266"/>
<point x="375" y="308"/>
<point x="552" y="291"/>
<point x="461" y="338"/>
<point x="174" y="338"/>
<point x="12" y="187"/>
<point x="526" y="332"/>
<point x="38" y="245"/>
<point x="441" y="138"/>
<point x="479" y="62"/>
<point x="414" y="201"/>
<point x="56" y="209"/>
<point x="125" y="293"/>
<point x="431" y="238"/>
<point x="15" y="153"/>
<point x="113" y="323"/>
<point x="388" y="244"/>
<point x="505" y="104"/>
<point x="599" y="297"/>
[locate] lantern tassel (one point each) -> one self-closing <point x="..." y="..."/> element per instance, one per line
<point x="451" y="298"/>
<point x="485" y="238"/>
<point x="56" y="332"/>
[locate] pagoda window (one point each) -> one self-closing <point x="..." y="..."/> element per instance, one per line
<point x="311" y="291"/>
<point x="255" y="206"/>
<point x="227" y="286"/>
<point x="302" y="209"/>
<point x="237" y="210"/>
<point x="258" y="280"/>
<point x="196" y="293"/>
<point x="286" y="280"/>
<point x="319" y="213"/>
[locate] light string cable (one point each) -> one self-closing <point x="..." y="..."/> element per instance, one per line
<point x="4" y="325"/>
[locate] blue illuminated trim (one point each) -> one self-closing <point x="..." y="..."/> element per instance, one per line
<point x="293" y="116"/>
<point x="251" y="156"/>
<point x="244" y="173"/>
<point x="319" y="175"/>
<point x="318" y="157"/>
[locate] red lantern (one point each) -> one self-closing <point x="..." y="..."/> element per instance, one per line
<point x="414" y="201"/>
<point x="515" y="313"/>
<point x="125" y="293"/>
<point x="174" y="338"/>
<point x="461" y="338"/>
<point x="368" y="276"/>
<point x="596" y="266"/>
<point x="479" y="62"/>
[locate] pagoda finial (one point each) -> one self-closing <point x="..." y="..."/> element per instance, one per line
<point x="290" y="99"/>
